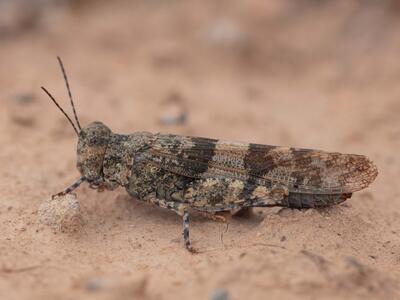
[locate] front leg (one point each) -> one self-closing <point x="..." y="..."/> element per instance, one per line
<point x="71" y="188"/>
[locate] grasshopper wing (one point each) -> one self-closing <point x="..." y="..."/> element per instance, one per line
<point x="299" y="170"/>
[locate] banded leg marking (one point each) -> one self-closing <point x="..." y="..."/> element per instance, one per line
<point x="181" y="210"/>
<point x="186" y="238"/>
<point x="71" y="188"/>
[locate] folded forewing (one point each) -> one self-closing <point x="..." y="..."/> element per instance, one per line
<point x="300" y="170"/>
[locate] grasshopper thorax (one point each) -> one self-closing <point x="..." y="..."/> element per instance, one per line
<point x="92" y="146"/>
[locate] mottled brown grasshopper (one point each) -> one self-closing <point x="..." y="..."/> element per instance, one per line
<point x="208" y="175"/>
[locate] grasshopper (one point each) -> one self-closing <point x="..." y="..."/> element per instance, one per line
<point x="180" y="173"/>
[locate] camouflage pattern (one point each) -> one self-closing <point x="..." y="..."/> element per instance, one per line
<point x="209" y="175"/>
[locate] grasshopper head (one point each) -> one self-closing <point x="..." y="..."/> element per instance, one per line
<point x="92" y="145"/>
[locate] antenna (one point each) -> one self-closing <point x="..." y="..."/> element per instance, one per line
<point x="69" y="91"/>
<point x="59" y="107"/>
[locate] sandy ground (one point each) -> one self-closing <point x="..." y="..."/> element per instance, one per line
<point x="307" y="75"/>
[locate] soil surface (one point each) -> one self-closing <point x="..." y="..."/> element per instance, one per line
<point x="315" y="74"/>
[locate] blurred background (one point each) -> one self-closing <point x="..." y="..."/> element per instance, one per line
<point x="307" y="73"/>
<point x="263" y="71"/>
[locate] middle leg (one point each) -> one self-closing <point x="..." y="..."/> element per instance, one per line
<point x="182" y="210"/>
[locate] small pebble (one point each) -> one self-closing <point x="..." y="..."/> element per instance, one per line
<point x="226" y="33"/>
<point x="24" y="98"/>
<point x="62" y="214"/>
<point x="173" y="110"/>
<point x="220" y="294"/>
<point x="117" y="287"/>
